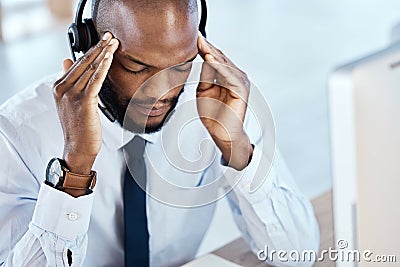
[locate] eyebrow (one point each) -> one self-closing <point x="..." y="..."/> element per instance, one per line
<point x="130" y="58"/>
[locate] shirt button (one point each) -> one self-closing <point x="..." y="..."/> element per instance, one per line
<point x="273" y="228"/>
<point x="72" y="216"/>
<point x="247" y="187"/>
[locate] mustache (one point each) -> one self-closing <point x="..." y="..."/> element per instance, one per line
<point x="151" y="101"/>
<point x="118" y="105"/>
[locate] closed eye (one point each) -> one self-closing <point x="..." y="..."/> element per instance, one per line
<point x="185" y="67"/>
<point x="135" y="72"/>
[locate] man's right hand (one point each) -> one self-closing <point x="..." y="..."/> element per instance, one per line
<point x="76" y="96"/>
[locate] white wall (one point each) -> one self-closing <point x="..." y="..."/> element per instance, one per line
<point x="289" y="48"/>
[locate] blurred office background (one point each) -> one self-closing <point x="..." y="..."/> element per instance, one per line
<point x="288" y="48"/>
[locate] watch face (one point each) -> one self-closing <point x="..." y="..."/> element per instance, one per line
<point x="53" y="171"/>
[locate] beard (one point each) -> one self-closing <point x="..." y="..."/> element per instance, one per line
<point x="118" y="106"/>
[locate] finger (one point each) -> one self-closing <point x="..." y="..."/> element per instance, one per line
<point x="67" y="64"/>
<point x="235" y="81"/>
<point x="81" y="84"/>
<point x="97" y="79"/>
<point x="214" y="56"/>
<point x="228" y="73"/>
<point x="209" y="107"/>
<point x="106" y="39"/>
<point x="205" y="47"/>
<point x="207" y="77"/>
<point x="81" y="64"/>
<point x="214" y="73"/>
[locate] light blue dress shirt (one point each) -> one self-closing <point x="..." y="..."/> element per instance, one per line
<point x="39" y="224"/>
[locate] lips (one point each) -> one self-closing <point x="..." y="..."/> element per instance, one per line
<point x="152" y="110"/>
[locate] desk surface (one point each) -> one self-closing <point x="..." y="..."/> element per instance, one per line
<point x="239" y="253"/>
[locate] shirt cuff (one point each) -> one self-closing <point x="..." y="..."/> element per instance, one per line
<point x="59" y="213"/>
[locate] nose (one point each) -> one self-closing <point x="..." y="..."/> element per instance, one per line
<point x="163" y="83"/>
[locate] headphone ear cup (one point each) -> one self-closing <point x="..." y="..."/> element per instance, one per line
<point x="91" y="36"/>
<point x="73" y="36"/>
<point x="78" y="38"/>
<point x="82" y="37"/>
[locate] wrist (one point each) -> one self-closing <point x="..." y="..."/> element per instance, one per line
<point x="236" y="153"/>
<point x="60" y="177"/>
<point x="81" y="164"/>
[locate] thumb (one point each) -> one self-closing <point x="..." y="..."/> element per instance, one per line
<point x="67" y="63"/>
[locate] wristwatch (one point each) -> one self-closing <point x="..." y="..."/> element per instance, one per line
<point x="60" y="177"/>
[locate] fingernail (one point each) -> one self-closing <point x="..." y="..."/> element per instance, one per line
<point x="108" y="55"/>
<point x="106" y="36"/>
<point x="113" y="42"/>
<point x="211" y="57"/>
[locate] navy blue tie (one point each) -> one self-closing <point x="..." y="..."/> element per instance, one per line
<point x="136" y="232"/>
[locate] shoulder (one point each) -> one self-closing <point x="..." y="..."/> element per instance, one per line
<point x="35" y="101"/>
<point x="29" y="124"/>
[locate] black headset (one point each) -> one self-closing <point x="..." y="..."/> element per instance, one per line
<point x="82" y="34"/>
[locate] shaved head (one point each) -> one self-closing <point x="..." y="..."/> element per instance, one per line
<point x="103" y="11"/>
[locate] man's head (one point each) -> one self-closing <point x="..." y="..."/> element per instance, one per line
<point x="154" y="35"/>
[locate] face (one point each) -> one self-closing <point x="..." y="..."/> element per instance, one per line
<point x="149" y="68"/>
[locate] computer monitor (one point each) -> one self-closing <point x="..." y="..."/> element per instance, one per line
<point x="364" y="107"/>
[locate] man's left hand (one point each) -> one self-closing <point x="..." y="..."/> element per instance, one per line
<point x="222" y="97"/>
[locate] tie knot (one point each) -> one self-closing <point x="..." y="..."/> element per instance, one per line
<point x="135" y="148"/>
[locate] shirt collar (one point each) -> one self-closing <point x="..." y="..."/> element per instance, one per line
<point x="115" y="137"/>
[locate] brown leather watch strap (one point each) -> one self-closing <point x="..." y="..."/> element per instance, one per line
<point x="79" y="181"/>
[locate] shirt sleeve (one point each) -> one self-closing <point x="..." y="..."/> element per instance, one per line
<point x="275" y="216"/>
<point x="39" y="225"/>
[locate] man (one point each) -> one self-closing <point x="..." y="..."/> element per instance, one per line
<point x="46" y="225"/>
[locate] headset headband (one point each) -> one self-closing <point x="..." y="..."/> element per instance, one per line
<point x="202" y="25"/>
<point x="79" y="12"/>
